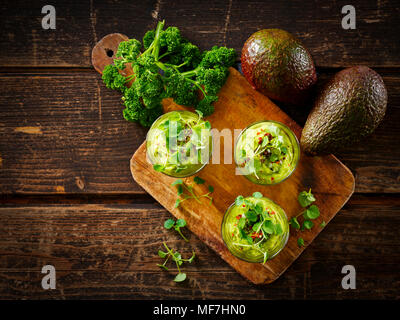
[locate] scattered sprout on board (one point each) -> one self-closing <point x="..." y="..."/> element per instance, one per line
<point x="186" y="192"/>
<point x="310" y="213"/>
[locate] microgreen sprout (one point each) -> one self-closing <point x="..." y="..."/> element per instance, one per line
<point x="310" y="213"/>
<point x="177" y="258"/>
<point x="186" y="191"/>
<point x="198" y="180"/>
<point x="177" y="225"/>
<point x="306" y="198"/>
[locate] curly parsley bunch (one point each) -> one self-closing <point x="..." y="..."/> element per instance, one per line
<point x="169" y="66"/>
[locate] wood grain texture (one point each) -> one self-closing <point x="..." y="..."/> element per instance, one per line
<point x="64" y="134"/>
<point x="238" y="106"/>
<point x="75" y="126"/>
<point x="59" y="125"/>
<point x="80" y="25"/>
<point x="109" y="250"/>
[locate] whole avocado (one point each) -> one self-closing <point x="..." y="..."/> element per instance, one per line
<point x="278" y="65"/>
<point x="349" y="108"/>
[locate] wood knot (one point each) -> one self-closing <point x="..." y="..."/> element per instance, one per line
<point x="79" y="182"/>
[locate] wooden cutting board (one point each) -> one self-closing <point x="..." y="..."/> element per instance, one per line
<point x="238" y="106"/>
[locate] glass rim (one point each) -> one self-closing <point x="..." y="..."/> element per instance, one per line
<point x="248" y="260"/>
<point x="287" y="129"/>
<point x="191" y="173"/>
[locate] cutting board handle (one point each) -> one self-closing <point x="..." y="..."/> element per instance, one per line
<point x="104" y="51"/>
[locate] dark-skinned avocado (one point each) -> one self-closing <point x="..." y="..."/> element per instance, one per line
<point x="349" y="108"/>
<point x="279" y="66"/>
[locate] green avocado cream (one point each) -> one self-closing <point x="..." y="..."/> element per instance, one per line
<point x="267" y="152"/>
<point x="255" y="228"/>
<point x="179" y="143"/>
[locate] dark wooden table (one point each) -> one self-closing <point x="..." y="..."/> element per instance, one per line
<point x="67" y="196"/>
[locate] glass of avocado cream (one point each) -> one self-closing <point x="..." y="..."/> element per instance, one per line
<point x="179" y="143"/>
<point x="267" y="152"/>
<point x="255" y="228"/>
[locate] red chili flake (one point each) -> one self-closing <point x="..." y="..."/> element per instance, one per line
<point x="244" y="206"/>
<point x="232" y="234"/>
<point x="272" y="178"/>
<point x="272" y="212"/>
<point x="238" y="216"/>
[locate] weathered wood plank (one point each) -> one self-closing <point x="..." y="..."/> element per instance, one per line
<point x="64" y="133"/>
<point x="110" y="251"/>
<point x="81" y="24"/>
<point x="318" y="24"/>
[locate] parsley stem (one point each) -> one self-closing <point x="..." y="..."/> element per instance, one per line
<point x="197" y="85"/>
<point x="129" y="78"/>
<point x="173" y="65"/>
<point x="163" y="55"/>
<point x="156" y="49"/>
<point x="161" y="66"/>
